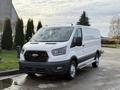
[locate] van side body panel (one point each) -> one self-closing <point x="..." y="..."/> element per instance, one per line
<point x="91" y="40"/>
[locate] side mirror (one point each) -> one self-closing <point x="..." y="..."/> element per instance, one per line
<point x="77" y="41"/>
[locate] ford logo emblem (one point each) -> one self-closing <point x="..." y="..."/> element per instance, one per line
<point x="35" y="55"/>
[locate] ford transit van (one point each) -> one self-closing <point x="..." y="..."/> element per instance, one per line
<point x="61" y="50"/>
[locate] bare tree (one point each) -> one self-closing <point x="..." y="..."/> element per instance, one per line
<point x="115" y="29"/>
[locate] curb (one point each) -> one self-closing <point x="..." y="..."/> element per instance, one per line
<point x="10" y="72"/>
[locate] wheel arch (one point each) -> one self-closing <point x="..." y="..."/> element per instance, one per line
<point x="98" y="53"/>
<point x="74" y="58"/>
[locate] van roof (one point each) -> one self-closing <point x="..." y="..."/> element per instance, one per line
<point x="75" y="26"/>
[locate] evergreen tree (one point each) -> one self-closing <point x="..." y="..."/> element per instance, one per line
<point x="7" y="41"/>
<point x="84" y="20"/>
<point x="39" y="25"/>
<point x="19" y="33"/>
<point x="30" y="29"/>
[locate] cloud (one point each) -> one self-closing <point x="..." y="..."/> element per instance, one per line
<point x="68" y="11"/>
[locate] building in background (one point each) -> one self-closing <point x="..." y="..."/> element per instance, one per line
<point x="7" y="10"/>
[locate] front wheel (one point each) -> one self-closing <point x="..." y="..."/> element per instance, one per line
<point x="96" y="63"/>
<point x="72" y="71"/>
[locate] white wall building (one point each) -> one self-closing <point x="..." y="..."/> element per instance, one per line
<point x="7" y="10"/>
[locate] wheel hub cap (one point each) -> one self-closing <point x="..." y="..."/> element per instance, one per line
<point x="72" y="70"/>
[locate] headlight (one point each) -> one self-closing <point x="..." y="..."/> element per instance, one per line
<point x="60" y="51"/>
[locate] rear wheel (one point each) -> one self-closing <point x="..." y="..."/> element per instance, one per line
<point x="96" y="63"/>
<point x="72" y="70"/>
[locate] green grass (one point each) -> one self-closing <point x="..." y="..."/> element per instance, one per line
<point x="111" y="45"/>
<point x="9" y="60"/>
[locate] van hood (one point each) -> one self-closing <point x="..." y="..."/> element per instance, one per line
<point x="44" y="46"/>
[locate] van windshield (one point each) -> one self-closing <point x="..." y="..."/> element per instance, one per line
<point x="59" y="34"/>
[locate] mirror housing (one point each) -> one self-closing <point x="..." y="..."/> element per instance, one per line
<point x="77" y="41"/>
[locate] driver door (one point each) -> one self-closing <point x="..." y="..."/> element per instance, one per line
<point x="78" y="49"/>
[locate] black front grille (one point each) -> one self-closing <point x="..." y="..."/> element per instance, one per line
<point x="36" y="56"/>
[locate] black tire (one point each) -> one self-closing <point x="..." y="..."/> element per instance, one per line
<point x="96" y="63"/>
<point x="31" y="75"/>
<point x="71" y="71"/>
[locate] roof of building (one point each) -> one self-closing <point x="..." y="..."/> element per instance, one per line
<point x="7" y="10"/>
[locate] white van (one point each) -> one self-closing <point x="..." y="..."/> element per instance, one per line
<point x="61" y="50"/>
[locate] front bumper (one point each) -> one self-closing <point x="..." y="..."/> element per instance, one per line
<point x="44" y="68"/>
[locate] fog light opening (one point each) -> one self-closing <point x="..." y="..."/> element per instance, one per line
<point x="59" y="68"/>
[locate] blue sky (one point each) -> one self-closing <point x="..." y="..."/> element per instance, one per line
<point x="65" y="12"/>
